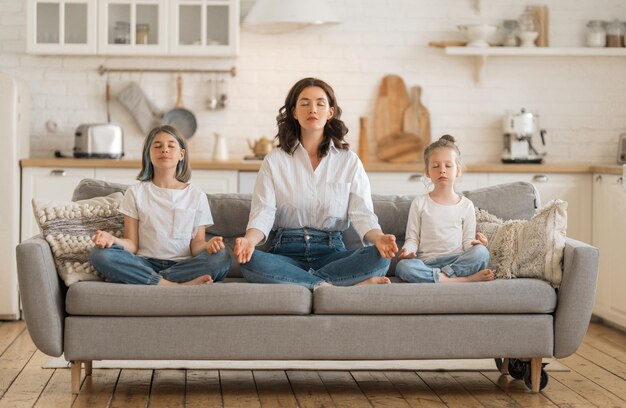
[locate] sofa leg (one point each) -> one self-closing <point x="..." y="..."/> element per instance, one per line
<point x="504" y="370"/>
<point x="88" y="367"/>
<point x="535" y="373"/>
<point x="76" y="376"/>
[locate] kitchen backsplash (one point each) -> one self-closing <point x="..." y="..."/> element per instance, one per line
<point x="581" y="100"/>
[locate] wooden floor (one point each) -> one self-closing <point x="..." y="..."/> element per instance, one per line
<point x="597" y="379"/>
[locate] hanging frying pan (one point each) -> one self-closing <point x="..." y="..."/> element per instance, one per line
<point x="179" y="117"/>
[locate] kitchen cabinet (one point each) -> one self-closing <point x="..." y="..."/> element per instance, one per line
<point x="204" y="27"/>
<point x="407" y="183"/>
<point x="609" y="235"/>
<point x="61" y="27"/>
<point x="573" y="188"/>
<point x="45" y="183"/>
<point x="132" y="27"/>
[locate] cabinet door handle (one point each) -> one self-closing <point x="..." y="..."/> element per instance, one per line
<point x="599" y="177"/>
<point x="540" y="178"/>
<point x="416" y="177"/>
<point x="58" y="173"/>
<point x="620" y="179"/>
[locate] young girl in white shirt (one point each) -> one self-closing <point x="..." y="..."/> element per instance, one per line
<point x="310" y="189"/>
<point x="441" y="241"/>
<point x="164" y="224"/>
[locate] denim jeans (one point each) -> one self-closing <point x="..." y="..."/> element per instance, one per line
<point x="309" y="257"/>
<point x="121" y="266"/>
<point x="455" y="265"/>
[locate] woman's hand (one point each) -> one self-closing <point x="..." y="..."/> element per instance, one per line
<point x="406" y="255"/>
<point x="480" y="239"/>
<point x="215" y="245"/>
<point x="386" y="245"/>
<point x="103" y="239"/>
<point x="243" y="249"/>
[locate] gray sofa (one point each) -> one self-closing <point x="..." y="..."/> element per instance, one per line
<point x="518" y="322"/>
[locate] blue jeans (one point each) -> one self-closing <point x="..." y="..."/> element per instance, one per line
<point x="464" y="264"/>
<point x="121" y="266"/>
<point x="309" y="257"/>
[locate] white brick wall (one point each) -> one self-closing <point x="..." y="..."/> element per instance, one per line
<point x="581" y="101"/>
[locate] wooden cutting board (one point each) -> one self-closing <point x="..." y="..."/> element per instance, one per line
<point x="391" y="102"/>
<point x="416" y="118"/>
<point x="400" y="147"/>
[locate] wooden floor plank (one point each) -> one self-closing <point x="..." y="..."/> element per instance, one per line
<point x="597" y="374"/>
<point x="239" y="389"/>
<point x="168" y="389"/>
<point x="343" y="389"/>
<point x="413" y="389"/>
<point x="309" y="389"/>
<point x="14" y="358"/>
<point x="517" y="390"/>
<point x="602" y="359"/>
<point x="29" y="384"/>
<point x="274" y="389"/>
<point x="448" y="389"/>
<point x="563" y="396"/>
<point x="378" y="389"/>
<point x="9" y="331"/>
<point x="483" y="390"/>
<point x="58" y="391"/>
<point x="97" y="389"/>
<point x="589" y="390"/>
<point x="203" y="389"/>
<point x="133" y="389"/>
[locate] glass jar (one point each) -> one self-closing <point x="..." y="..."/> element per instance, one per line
<point x="141" y="33"/>
<point x="615" y="34"/>
<point x="596" y="34"/>
<point x="528" y="21"/>
<point x="510" y="28"/>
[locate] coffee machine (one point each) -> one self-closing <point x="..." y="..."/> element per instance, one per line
<point x="518" y="132"/>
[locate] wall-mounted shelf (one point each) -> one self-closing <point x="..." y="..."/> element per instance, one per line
<point x="481" y="54"/>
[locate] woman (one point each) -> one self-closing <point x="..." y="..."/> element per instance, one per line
<point x="310" y="189"/>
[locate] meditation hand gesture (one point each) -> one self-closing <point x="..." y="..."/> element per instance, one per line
<point x="243" y="249"/>
<point x="480" y="239"/>
<point x="214" y="245"/>
<point x="103" y="239"/>
<point x="386" y="245"/>
<point x="406" y="255"/>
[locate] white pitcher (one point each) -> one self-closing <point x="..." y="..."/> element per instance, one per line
<point x="220" y="149"/>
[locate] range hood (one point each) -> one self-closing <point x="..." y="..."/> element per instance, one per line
<point x="279" y="16"/>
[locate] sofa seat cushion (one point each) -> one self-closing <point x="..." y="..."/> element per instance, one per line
<point x="218" y="299"/>
<point x="519" y="296"/>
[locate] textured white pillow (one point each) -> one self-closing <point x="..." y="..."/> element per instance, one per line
<point x="68" y="228"/>
<point x="527" y="248"/>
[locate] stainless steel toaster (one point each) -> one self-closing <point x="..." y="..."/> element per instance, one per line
<point x="99" y="140"/>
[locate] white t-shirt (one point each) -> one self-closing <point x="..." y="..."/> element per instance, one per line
<point x="434" y="230"/>
<point x="168" y="218"/>
<point x="289" y="194"/>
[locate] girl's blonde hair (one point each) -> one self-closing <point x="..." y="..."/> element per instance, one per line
<point x="183" y="171"/>
<point x="447" y="142"/>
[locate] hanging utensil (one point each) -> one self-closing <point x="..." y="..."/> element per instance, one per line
<point x="179" y="117"/>
<point x="107" y="95"/>
<point x="211" y="102"/>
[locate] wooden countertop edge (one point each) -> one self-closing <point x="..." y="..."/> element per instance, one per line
<point x="243" y="165"/>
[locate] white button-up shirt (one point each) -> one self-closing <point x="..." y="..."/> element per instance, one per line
<point x="289" y="194"/>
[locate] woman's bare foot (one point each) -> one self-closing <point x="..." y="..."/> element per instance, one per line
<point x="375" y="281"/>
<point x="480" y="276"/>
<point x="200" y="280"/>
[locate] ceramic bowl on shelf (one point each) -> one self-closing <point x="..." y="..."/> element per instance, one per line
<point x="478" y="34"/>
<point x="527" y="38"/>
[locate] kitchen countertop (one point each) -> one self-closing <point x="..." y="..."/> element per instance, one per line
<point x="253" y="165"/>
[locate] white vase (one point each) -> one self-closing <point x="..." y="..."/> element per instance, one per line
<point x="220" y="149"/>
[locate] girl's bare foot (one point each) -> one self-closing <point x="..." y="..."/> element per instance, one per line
<point x="200" y="280"/>
<point x="375" y="281"/>
<point x="480" y="276"/>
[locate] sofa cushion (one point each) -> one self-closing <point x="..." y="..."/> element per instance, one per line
<point x="510" y="201"/>
<point x="218" y="299"/>
<point x="527" y="248"/>
<point x="68" y="227"/>
<point x="501" y="296"/>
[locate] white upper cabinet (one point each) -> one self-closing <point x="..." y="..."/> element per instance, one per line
<point x="132" y="27"/>
<point x="204" y="27"/>
<point x="61" y="26"/>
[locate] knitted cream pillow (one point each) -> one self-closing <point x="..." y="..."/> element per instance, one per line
<point x="68" y="228"/>
<point x="527" y="248"/>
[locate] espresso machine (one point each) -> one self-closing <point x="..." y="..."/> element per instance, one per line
<point x="519" y="129"/>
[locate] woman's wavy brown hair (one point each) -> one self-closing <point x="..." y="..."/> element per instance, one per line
<point x="289" y="132"/>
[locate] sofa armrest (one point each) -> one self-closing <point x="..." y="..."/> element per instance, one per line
<point x="41" y="294"/>
<point x="575" y="296"/>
